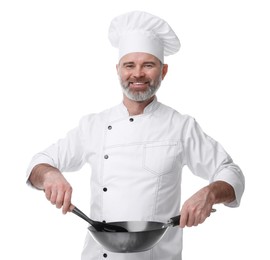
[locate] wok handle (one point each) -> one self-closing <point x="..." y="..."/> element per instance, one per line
<point x="174" y="221"/>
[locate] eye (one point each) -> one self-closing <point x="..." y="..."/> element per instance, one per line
<point x="149" y="65"/>
<point x="128" y="65"/>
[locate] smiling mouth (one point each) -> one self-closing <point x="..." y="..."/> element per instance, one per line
<point x="139" y="84"/>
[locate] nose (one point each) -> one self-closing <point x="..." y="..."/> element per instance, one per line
<point x="138" y="72"/>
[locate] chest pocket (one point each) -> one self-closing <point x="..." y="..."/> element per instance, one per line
<point x="159" y="158"/>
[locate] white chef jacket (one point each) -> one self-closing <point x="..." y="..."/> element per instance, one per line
<point x="136" y="166"/>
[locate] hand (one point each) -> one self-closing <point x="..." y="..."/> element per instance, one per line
<point x="196" y="209"/>
<point x="57" y="190"/>
<point x="199" y="206"/>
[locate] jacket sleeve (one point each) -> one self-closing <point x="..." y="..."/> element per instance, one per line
<point x="207" y="159"/>
<point x="67" y="154"/>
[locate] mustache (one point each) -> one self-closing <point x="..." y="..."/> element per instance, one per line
<point x="126" y="84"/>
<point x="141" y="80"/>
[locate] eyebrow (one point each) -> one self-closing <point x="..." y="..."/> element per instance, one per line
<point x="131" y="63"/>
<point x="128" y="63"/>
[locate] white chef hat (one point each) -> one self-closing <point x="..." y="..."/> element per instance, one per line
<point x="143" y="32"/>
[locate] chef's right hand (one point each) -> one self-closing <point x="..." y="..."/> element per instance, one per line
<point x="57" y="189"/>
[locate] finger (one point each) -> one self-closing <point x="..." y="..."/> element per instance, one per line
<point x="71" y="207"/>
<point x="198" y="220"/>
<point x="59" y="199"/>
<point x="191" y="221"/>
<point x="188" y="216"/>
<point x="183" y="219"/>
<point x="67" y="201"/>
<point x="53" y="197"/>
<point x="48" y="194"/>
<point x="201" y="220"/>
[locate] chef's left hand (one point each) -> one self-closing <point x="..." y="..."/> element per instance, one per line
<point x="196" y="209"/>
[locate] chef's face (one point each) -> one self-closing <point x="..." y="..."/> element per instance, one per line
<point x="140" y="75"/>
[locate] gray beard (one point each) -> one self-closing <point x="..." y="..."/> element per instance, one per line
<point x="140" y="96"/>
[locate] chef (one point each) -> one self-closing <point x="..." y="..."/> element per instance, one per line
<point x="138" y="148"/>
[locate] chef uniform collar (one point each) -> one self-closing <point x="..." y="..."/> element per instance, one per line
<point x="143" y="32"/>
<point x="150" y="108"/>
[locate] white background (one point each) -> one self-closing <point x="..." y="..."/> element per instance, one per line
<point x="56" y="65"/>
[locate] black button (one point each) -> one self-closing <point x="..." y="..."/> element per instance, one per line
<point x="110" y="127"/>
<point x="105" y="189"/>
<point x="106" y="156"/>
<point x="131" y="119"/>
<point x="105" y="255"/>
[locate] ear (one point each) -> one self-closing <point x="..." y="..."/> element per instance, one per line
<point x="164" y="70"/>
